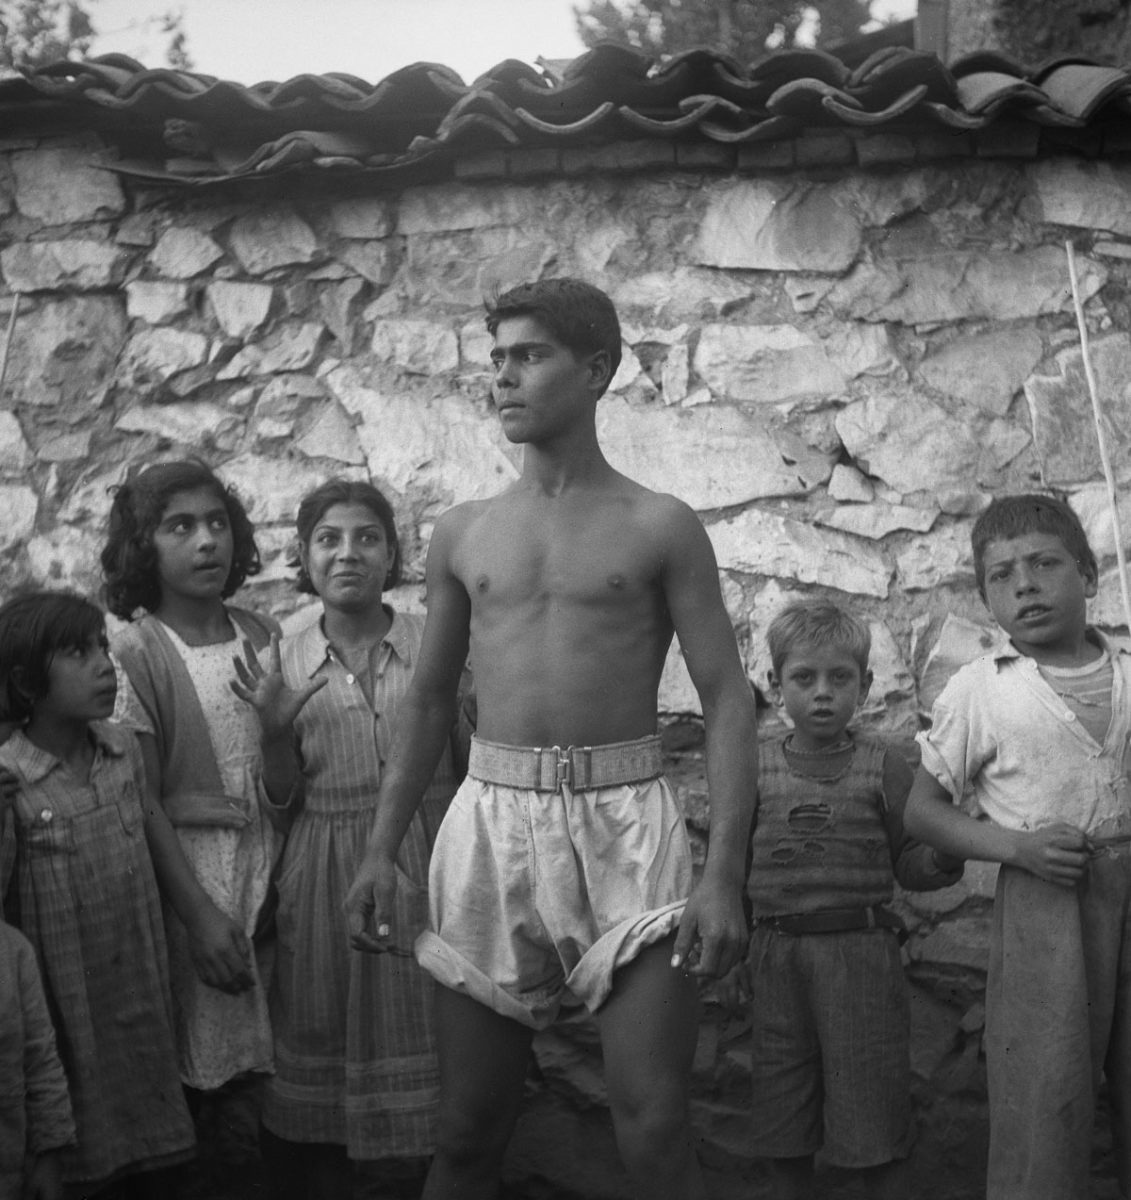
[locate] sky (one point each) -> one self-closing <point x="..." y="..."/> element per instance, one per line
<point x="253" y="40"/>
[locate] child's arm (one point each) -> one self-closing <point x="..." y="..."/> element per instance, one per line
<point x="50" y="1124"/>
<point x="1056" y="853"/>
<point x="917" y="867"/>
<point x="221" y="951"/>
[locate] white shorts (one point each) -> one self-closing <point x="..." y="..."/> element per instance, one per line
<point x="534" y="894"/>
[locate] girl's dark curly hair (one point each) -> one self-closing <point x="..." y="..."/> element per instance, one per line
<point x="129" y="558"/>
<point x="34" y="627"/>
<point x="317" y="503"/>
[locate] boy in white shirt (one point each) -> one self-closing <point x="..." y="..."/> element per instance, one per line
<point x="1038" y="729"/>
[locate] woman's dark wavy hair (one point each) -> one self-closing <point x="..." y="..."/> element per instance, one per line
<point x="129" y="558"/>
<point x="34" y="627"/>
<point x="316" y="504"/>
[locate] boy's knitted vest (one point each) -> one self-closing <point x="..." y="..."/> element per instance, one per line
<point x="820" y="843"/>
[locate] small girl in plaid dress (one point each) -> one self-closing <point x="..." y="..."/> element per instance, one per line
<point x="80" y="885"/>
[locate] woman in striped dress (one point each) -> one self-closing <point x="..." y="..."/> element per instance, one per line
<point x="352" y="1103"/>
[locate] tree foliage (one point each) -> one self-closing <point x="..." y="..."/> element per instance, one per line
<point x="36" y="32"/>
<point x="746" y="29"/>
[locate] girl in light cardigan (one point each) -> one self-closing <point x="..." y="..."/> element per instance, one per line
<point x="180" y="543"/>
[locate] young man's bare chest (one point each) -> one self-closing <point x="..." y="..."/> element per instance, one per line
<point x="526" y="562"/>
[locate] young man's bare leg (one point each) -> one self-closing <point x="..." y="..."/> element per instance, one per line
<point x="649" y="1026"/>
<point x="483" y="1063"/>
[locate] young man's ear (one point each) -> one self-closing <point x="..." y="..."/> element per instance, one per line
<point x="601" y="370"/>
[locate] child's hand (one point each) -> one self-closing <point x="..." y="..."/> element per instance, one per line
<point x="734" y="989"/>
<point x="1056" y="853"/>
<point x="221" y="952"/>
<point x="43" y="1180"/>
<point x="266" y="692"/>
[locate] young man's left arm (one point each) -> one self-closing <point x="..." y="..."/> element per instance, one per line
<point x="713" y="935"/>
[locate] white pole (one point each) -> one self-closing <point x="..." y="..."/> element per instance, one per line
<point x="8" y="340"/>
<point x="1097" y="413"/>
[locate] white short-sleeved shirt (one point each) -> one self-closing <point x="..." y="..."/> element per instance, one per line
<point x="1000" y="730"/>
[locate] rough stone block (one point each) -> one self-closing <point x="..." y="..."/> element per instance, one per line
<point x="772" y="225"/>
<point x="59" y="185"/>
<point x="240" y="308"/>
<point x="20" y="506"/>
<point x="156" y="302"/>
<point x="182" y="252"/>
<point x="74" y="265"/>
<point x="361" y="217"/>
<point x="765" y="364"/>
<point x="267" y="239"/>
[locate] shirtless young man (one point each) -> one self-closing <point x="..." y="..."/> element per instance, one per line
<point x="566" y="868"/>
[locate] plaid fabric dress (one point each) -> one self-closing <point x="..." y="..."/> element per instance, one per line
<point x="84" y="894"/>
<point x="355" y="1058"/>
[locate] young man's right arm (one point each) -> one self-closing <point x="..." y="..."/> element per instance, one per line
<point x="424" y="724"/>
<point x="1056" y="853"/>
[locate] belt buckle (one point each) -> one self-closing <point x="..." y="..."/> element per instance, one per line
<point x="563" y="767"/>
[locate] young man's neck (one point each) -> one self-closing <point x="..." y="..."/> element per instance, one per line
<point x="198" y="622"/>
<point x="554" y="469"/>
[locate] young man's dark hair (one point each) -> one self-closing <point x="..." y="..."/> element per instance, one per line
<point x="579" y="315"/>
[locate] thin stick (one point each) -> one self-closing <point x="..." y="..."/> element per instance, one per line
<point x="8" y="341"/>
<point x="1097" y="413"/>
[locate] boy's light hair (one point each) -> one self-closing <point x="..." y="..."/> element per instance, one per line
<point x="1016" y="516"/>
<point x="817" y="623"/>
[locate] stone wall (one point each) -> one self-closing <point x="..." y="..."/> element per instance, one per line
<point x="836" y="369"/>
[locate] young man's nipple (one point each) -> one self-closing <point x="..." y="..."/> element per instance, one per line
<point x="482" y="584"/>
<point x="616" y="581"/>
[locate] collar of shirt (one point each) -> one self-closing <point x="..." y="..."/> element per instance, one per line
<point x="315" y="650"/>
<point x="35" y="763"/>
<point x="1004" y="650"/>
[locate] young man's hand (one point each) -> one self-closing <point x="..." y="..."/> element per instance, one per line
<point x="369" y="905"/>
<point x="1056" y="853"/>
<point x="712" y="935"/>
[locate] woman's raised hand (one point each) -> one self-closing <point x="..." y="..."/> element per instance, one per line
<point x="267" y="692"/>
